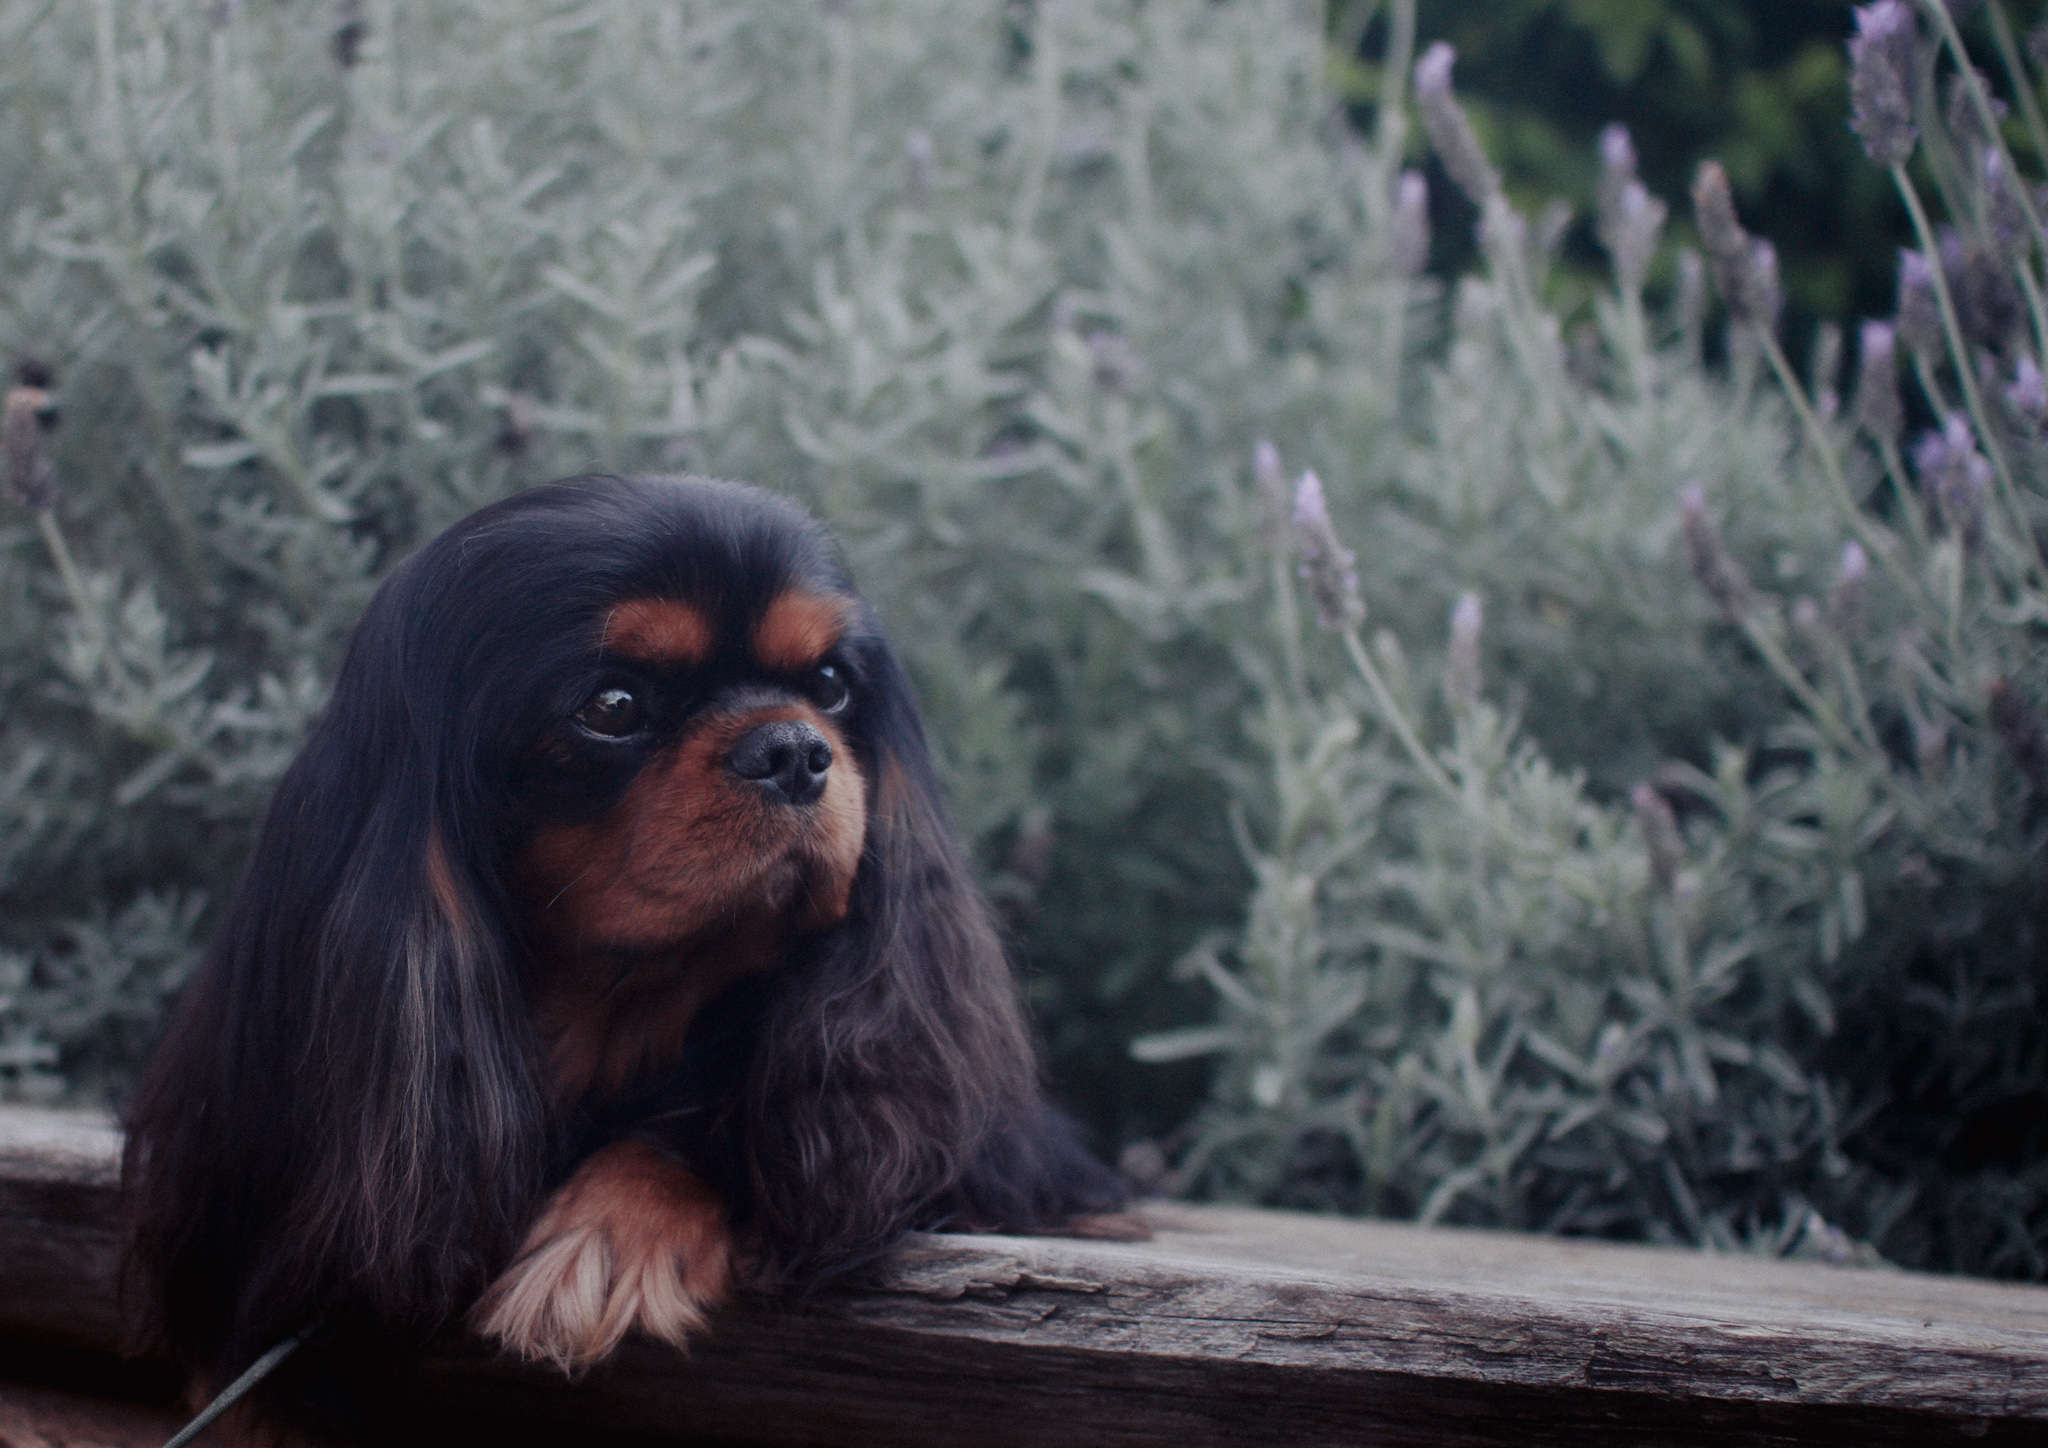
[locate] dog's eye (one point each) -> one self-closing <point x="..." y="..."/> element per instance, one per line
<point x="828" y="688"/>
<point x="612" y="713"/>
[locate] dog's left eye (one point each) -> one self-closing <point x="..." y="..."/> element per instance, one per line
<point x="612" y="713"/>
<point x="828" y="688"/>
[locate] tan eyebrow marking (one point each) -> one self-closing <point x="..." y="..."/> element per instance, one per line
<point x="658" y="631"/>
<point x="799" y="629"/>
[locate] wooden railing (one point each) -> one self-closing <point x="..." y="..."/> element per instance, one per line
<point x="1229" y="1327"/>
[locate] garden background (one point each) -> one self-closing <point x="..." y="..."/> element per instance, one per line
<point x="1481" y="687"/>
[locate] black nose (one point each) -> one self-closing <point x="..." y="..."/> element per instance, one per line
<point x="787" y="758"/>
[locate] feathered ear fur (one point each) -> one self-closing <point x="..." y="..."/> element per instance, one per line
<point x="341" y="1118"/>
<point x="894" y="1077"/>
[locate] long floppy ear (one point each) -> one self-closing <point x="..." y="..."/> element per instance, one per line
<point x="341" y="1119"/>
<point x="895" y="1066"/>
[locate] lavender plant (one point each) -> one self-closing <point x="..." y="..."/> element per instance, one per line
<point x="1758" y="969"/>
<point x="1626" y="824"/>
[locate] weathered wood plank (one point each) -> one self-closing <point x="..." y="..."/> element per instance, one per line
<point x="1229" y="1326"/>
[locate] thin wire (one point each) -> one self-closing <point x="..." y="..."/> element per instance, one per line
<point x="228" y="1396"/>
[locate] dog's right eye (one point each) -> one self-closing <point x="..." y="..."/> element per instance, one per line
<point x="611" y="713"/>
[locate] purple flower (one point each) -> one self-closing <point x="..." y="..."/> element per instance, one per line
<point x="1450" y="130"/>
<point x="2003" y="207"/>
<point x="1272" y="486"/>
<point x="1919" y="310"/>
<point x="1326" y="565"/>
<point x="1661" y="839"/>
<point x="1879" y="409"/>
<point x="1715" y="568"/>
<point x="1745" y="269"/>
<point x="1629" y="229"/>
<point x="1956" y="476"/>
<point x="1411" y="223"/>
<point x="1461" y="658"/>
<point x="2026" y="394"/>
<point x="1845" y="599"/>
<point x="1882" y="67"/>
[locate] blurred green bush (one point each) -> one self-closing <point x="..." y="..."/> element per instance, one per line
<point x="1683" y="885"/>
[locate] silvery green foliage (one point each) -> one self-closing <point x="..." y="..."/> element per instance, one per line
<point x="1003" y="291"/>
<point x="1762" y="965"/>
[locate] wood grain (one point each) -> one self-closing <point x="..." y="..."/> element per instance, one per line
<point x="1230" y="1326"/>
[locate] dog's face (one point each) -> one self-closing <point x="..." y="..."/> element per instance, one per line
<point x="699" y="772"/>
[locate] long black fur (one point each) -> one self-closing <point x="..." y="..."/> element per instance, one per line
<point x="346" y="1122"/>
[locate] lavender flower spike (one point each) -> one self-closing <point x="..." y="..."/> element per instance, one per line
<point x="1272" y="486"/>
<point x="2027" y="394"/>
<point x="1662" y="842"/>
<point x="1461" y="659"/>
<point x="1845" y="599"/>
<point x="1326" y="565"/>
<point x="1745" y="268"/>
<point x="1712" y="564"/>
<point x="1450" y="130"/>
<point x="1919" y="308"/>
<point x="1411" y="224"/>
<point x="1879" y="409"/>
<point x="1882" y="68"/>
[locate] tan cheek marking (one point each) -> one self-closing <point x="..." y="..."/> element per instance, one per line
<point x="659" y="631"/>
<point x="660" y="863"/>
<point x="799" y="629"/>
<point x="841" y="820"/>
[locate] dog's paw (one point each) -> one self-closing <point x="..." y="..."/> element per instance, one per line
<point x="632" y="1240"/>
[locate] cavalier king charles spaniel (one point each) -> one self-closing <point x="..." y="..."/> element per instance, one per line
<point x="605" y="949"/>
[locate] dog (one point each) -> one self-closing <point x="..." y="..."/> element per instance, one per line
<point x="606" y="948"/>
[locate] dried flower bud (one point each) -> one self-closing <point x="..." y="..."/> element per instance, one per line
<point x="1326" y="565"/>
<point x="1661" y="839"/>
<point x="1715" y="568"/>
<point x="1461" y="659"/>
<point x="2020" y="729"/>
<point x="1745" y="268"/>
<point x="30" y="477"/>
<point x="1450" y="130"/>
<point x="1919" y="318"/>
<point x="1882" y="69"/>
<point x="1411" y="224"/>
<point x="1879" y="409"/>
